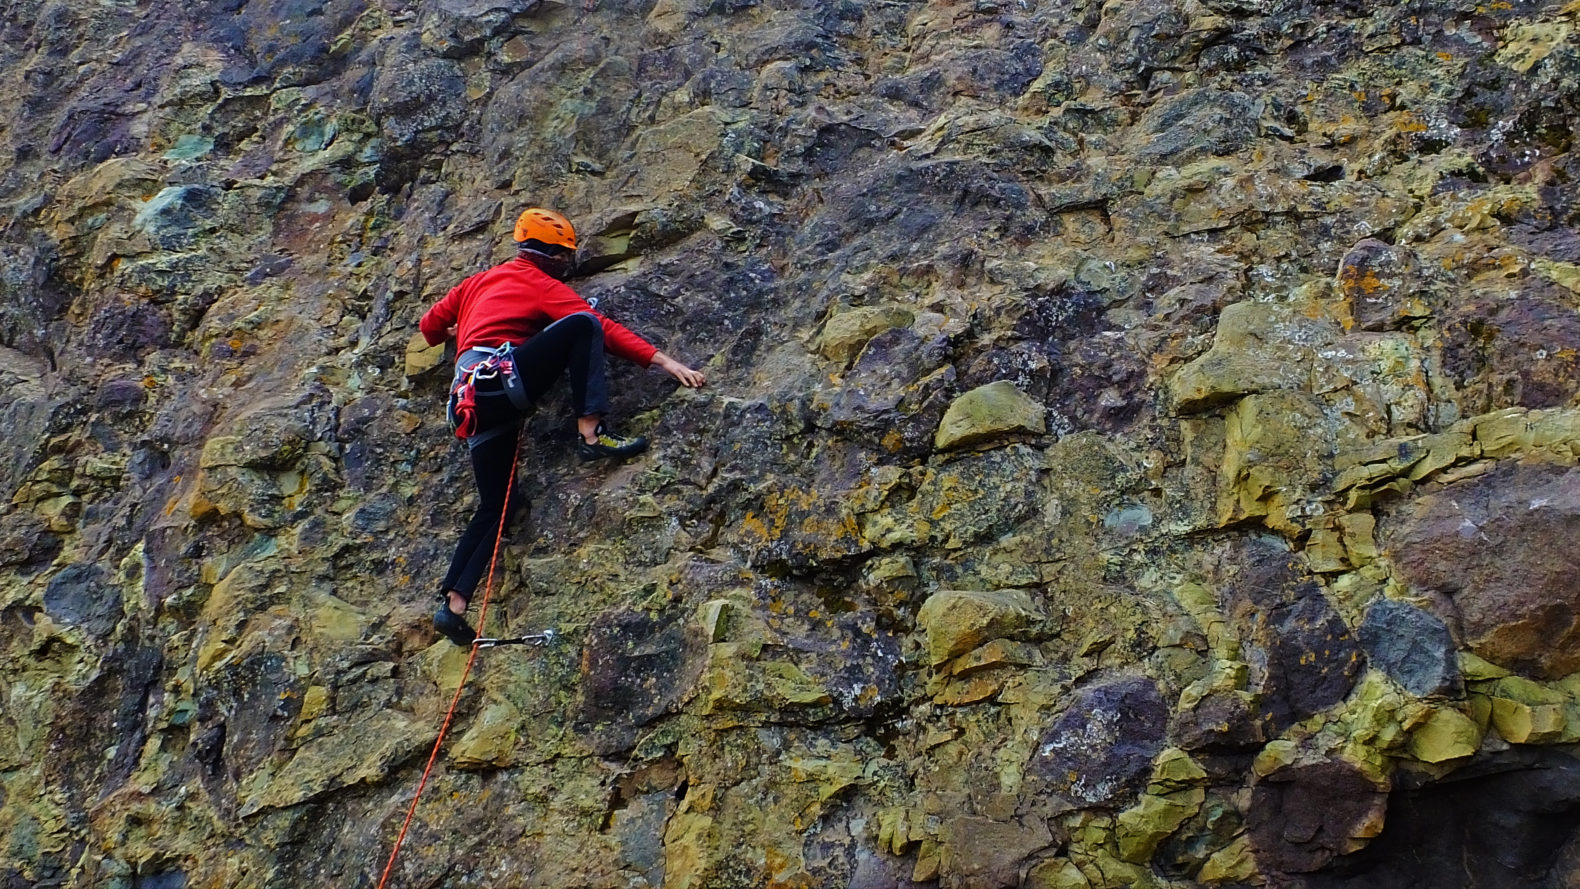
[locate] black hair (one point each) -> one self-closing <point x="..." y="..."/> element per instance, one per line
<point x="546" y="249"/>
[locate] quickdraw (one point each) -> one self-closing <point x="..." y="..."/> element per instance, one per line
<point x="547" y="637"/>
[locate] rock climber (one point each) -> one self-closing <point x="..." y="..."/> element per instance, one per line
<point x="518" y="328"/>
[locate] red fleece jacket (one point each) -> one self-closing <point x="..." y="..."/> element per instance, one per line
<point x="512" y="301"/>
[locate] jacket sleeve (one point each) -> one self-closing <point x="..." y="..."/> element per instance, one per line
<point x="618" y="339"/>
<point x="435" y="323"/>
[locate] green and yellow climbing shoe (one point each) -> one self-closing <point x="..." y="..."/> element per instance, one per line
<point x="609" y="445"/>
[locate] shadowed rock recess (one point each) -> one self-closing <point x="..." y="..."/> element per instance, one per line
<point x="1142" y="446"/>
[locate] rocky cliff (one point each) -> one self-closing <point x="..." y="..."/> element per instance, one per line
<point x="1141" y="447"/>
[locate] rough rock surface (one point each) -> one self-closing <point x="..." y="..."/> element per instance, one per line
<point x="1140" y="448"/>
<point x="1512" y="584"/>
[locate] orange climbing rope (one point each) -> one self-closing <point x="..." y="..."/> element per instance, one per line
<point x="482" y="620"/>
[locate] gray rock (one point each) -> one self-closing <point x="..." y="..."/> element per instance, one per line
<point x="639" y="827"/>
<point x="895" y="395"/>
<point x="1412" y="646"/>
<point x="416" y="97"/>
<point x="82" y="595"/>
<point x="109" y="714"/>
<point x="636" y="667"/>
<point x="177" y="216"/>
<point x="874" y="870"/>
<point x="1199" y="124"/>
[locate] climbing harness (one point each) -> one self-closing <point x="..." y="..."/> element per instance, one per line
<point x="489" y="364"/>
<point x="544" y="638"/>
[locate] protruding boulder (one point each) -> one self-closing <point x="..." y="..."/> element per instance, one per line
<point x="421" y="357"/>
<point x="1173" y="797"/>
<point x="1258" y="347"/>
<point x="491" y="740"/>
<point x="957" y="621"/>
<point x="846" y="333"/>
<point x="1501" y="546"/>
<point x="987" y="413"/>
<point x="1524" y="712"/>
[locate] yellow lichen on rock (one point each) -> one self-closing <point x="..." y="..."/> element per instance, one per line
<point x="1446" y="734"/>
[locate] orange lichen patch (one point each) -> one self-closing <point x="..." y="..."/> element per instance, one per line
<point x="845" y="527"/>
<point x="969" y="691"/>
<point x="786" y="872"/>
<point x="802" y="513"/>
<point x="1409" y="123"/>
<point x="1364" y="280"/>
<point x="754" y="526"/>
<point x="953" y="492"/>
<point x="200" y="507"/>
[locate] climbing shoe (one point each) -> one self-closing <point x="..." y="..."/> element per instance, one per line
<point x="453" y="626"/>
<point x="609" y="445"/>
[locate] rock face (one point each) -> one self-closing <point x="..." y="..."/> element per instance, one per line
<point x="1140" y="447"/>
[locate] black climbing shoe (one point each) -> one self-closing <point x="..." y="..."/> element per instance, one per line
<point x="609" y="445"/>
<point x="453" y="626"/>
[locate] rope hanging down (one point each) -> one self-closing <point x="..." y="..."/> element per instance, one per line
<point x="482" y="620"/>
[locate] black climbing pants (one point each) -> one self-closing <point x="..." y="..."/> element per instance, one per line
<point x="573" y="343"/>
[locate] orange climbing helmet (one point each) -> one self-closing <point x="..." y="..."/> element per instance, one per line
<point x="547" y="226"/>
